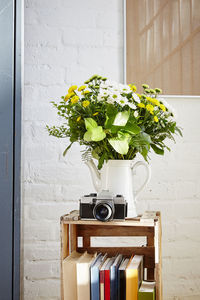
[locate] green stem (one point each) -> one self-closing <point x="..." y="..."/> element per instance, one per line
<point x="107" y="149"/>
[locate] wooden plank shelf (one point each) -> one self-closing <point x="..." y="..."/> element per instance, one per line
<point x="72" y="229"/>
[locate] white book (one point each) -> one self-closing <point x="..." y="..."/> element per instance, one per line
<point x="69" y="276"/>
<point x="83" y="276"/>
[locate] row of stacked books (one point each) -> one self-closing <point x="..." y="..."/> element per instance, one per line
<point x="99" y="277"/>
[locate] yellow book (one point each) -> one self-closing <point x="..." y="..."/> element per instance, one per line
<point x="134" y="276"/>
<point x="69" y="276"/>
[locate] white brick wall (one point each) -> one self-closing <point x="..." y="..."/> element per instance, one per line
<point x="66" y="42"/>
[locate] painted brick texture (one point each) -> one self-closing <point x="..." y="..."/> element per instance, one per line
<point x="66" y="42"/>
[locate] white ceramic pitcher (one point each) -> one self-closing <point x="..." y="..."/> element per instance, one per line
<point x="117" y="177"/>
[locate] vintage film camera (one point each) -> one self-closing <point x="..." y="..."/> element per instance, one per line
<point x="103" y="207"/>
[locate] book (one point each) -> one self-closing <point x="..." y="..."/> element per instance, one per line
<point x="83" y="276"/>
<point x="102" y="279"/>
<point x="69" y="275"/>
<point x="94" y="275"/>
<point x="114" y="277"/>
<point x="147" y="291"/>
<point x="122" y="279"/>
<point x="107" y="279"/>
<point x="134" y="277"/>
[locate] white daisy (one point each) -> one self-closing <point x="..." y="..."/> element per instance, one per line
<point x="169" y="107"/>
<point x="136" y="98"/>
<point x="131" y="105"/>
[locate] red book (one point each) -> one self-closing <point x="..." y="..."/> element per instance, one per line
<point x="107" y="279"/>
<point x="102" y="279"/>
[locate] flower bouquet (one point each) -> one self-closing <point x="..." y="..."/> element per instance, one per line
<point x="113" y="121"/>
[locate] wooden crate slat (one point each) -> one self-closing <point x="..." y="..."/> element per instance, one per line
<point x="102" y="230"/>
<point x="86" y="241"/>
<point x="129" y="222"/>
<point x="148" y="252"/>
<point x="64" y="232"/>
<point x="64" y="249"/>
<point x="73" y="237"/>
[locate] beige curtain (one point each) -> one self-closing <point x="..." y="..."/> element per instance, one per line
<point x="163" y="45"/>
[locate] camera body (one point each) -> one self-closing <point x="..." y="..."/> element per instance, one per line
<point x="103" y="207"/>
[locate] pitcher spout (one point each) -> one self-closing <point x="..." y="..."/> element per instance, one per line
<point x="95" y="174"/>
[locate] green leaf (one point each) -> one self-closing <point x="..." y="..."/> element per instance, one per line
<point x="145" y="137"/>
<point x="157" y="150"/>
<point x="95" y="134"/>
<point x="120" y="145"/>
<point x="65" y="152"/>
<point x="98" y="134"/>
<point x="101" y="160"/>
<point x="172" y="127"/>
<point x="123" y="135"/>
<point x="88" y="136"/>
<point x="178" y="130"/>
<point x="95" y="153"/>
<point x="121" y="118"/>
<point x="110" y="115"/>
<point x="111" y="110"/>
<point x="144" y="152"/>
<point x="73" y="138"/>
<point x="90" y="123"/>
<point x="115" y="129"/>
<point x="132" y="128"/>
<point x="109" y="121"/>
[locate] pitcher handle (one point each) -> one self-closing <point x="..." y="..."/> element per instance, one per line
<point x="148" y="175"/>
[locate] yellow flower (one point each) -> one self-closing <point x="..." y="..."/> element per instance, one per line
<point x="155" y="101"/>
<point x="163" y="107"/>
<point x="156" y="119"/>
<point x="66" y="97"/>
<point x="138" y="95"/>
<point x="81" y="88"/>
<point x="133" y="87"/>
<point x="74" y="99"/>
<point x="85" y="103"/>
<point x="78" y="119"/>
<point x="85" y="92"/>
<point x="96" y="113"/>
<point x="72" y="88"/>
<point x="150" y="108"/>
<point x="69" y="95"/>
<point x="141" y="105"/>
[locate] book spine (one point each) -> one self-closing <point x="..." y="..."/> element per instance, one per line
<point x="101" y="285"/>
<point x="94" y="287"/>
<point x="107" y="284"/>
<point x="113" y="295"/>
<point x="122" y="285"/>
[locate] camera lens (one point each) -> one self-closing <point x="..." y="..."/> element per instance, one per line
<point x="103" y="212"/>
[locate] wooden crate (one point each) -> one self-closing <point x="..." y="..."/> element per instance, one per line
<point x="72" y="228"/>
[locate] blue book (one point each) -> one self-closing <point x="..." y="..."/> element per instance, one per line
<point x="114" y="277"/>
<point x="94" y="275"/>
